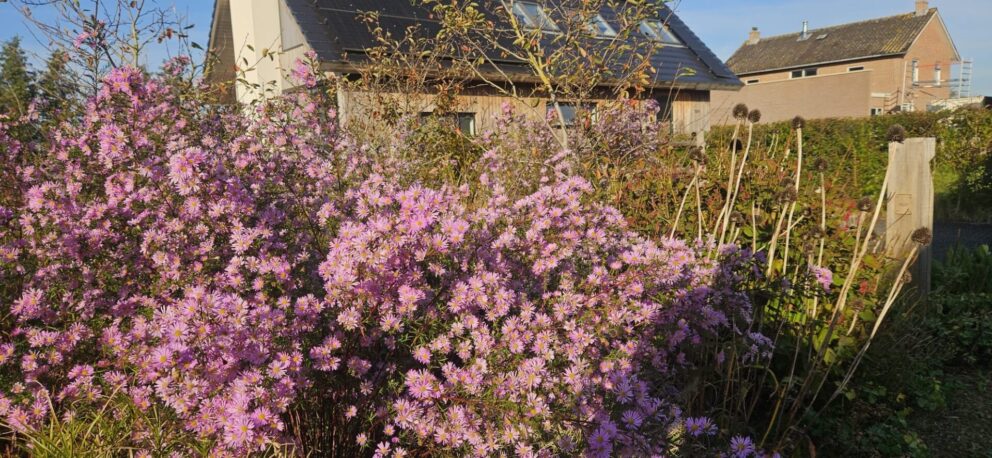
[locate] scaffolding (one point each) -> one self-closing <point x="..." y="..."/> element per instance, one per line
<point x="961" y="85"/>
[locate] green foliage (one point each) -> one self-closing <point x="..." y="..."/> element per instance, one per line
<point x="58" y="88"/>
<point x="964" y="271"/>
<point x="859" y="148"/>
<point x="117" y="428"/>
<point x="17" y="86"/>
<point x="963" y="324"/>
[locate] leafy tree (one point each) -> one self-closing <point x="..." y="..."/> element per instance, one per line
<point x="17" y="86"/>
<point x="58" y="86"/>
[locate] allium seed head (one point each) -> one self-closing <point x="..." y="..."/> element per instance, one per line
<point x="787" y="195"/>
<point x="740" y="111"/>
<point x="820" y="165"/>
<point x="798" y="122"/>
<point x="923" y="236"/>
<point x="865" y="204"/>
<point x="896" y="133"/>
<point x="754" y="116"/>
<point x="697" y="155"/>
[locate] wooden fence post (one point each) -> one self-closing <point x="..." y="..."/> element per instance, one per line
<point x="910" y="203"/>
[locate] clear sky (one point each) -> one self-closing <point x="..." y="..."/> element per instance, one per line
<point x="722" y="24"/>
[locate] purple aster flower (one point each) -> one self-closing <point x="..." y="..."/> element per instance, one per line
<point x="741" y="447"/>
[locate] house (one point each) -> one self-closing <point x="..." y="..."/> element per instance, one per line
<point x="897" y="63"/>
<point x="270" y="35"/>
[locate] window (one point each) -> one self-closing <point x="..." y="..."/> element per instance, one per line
<point x="855" y="69"/>
<point x="916" y="71"/>
<point x="876" y="111"/>
<point x="572" y="112"/>
<point x="466" y="123"/>
<point x="806" y="72"/>
<point x="600" y="27"/>
<point x="937" y="75"/>
<point x="657" y="31"/>
<point x="460" y="122"/>
<point x="751" y="82"/>
<point x="532" y="15"/>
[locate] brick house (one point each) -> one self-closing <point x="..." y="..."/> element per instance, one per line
<point x="686" y="71"/>
<point x="884" y="65"/>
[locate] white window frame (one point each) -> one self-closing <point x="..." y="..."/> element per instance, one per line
<point x="660" y="32"/>
<point x="536" y="19"/>
<point x="601" y="28"/>
<point x="804" y="73"/>
<point x="876" y="111"/>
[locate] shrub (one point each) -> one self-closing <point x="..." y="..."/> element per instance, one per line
<point x="231" y="269"/>
<point x="963" y="323"/>
<point x="964" y="270"/>
<point x="858" y="148"/>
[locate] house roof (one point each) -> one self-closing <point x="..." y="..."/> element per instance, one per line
<point x="221" y="63"/>
<point x="887" y="36"/>
<point x="333" y="30"/>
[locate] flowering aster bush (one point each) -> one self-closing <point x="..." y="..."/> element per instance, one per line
<point x="529" y="325"/>
<point x="228" y="266"/>
<point x="162" y="248"/>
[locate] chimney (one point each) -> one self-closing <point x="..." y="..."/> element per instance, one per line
<point x="922" y="7"/>
<point x="805" y="34"/>
<point x="754" y="37"/>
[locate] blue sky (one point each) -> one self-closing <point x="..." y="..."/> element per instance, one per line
<point x="722" y="24"/>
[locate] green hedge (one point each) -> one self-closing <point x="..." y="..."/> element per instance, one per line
<point x="858" y="149"/>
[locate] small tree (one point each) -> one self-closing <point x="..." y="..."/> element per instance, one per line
<point x="17" y="86"/>
<point x="57" y="86"/>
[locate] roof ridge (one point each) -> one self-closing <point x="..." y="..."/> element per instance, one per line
<point x="930" y="12"/>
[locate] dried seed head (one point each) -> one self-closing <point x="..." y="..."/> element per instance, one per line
<point x="740" y="111"/>
<point x="798" y="122"/>
<point x="737" y="218"/>
<point x="907" y="277"/>
<point x="807" y="212"/>
<point x="923" y="236"/>
<point x="754" y="116"/>
<point x="820" y="164"/>
<point x="865" y="204"/>
<point x="787" y="195"/>
<point x="736" y="145"/>
<point x="788" y="183"/>
<point x="896" y="133"/>
<point x="817" y="233"/>
<point x="857" y="305"/>
<point x="697" y="155"/>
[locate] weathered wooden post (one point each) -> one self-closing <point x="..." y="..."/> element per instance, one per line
<point x="910" y="203"/>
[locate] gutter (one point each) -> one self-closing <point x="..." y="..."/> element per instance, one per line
<point x="829" y="62"/>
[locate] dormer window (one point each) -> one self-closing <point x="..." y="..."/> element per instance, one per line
<point x="657" y="31"/>
<point x="599" y="27"/>
<point x="532" y="16"/>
